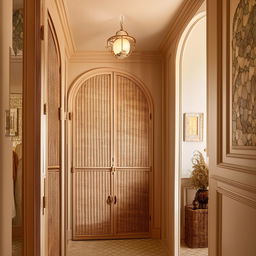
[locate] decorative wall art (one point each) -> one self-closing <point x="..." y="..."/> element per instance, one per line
<point x="16" y="103"/>
<point x="193" y="127"/>
<point x="243" y="73"/>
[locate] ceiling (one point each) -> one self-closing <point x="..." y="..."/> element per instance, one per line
<point x="92" y="22"/>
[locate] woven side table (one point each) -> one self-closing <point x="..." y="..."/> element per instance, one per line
<point x="196" y="227"/>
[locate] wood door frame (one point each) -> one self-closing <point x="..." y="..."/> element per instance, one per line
<point x="71" y="96"/>
<point x="31" y="128"/>
<point x="50" y="28"/>
<point x="179" y="135"/>
<point x="169" y="48"/>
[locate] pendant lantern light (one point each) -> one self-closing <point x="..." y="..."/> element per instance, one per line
<point x="121" y="44"/>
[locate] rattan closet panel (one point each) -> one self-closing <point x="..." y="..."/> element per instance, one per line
<point x="111" y="165"/>
<point x="132" y="121"/>
<point x="54" y="138"/>
<point x="92" y="158"/>
<point x="92" y="123"/>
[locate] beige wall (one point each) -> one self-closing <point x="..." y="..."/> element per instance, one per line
<point x="193" y="89"/>
<point x="149" y="70"/>
<point x="192" y="95"/>
<point x="5" y="143"/>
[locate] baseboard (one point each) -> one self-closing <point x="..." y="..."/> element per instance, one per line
<point x="167" y="249"/>
<point x="156" y="233"/>
<point x="69" y="234"/>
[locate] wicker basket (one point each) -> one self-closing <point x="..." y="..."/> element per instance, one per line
<point x="196" y="227"/>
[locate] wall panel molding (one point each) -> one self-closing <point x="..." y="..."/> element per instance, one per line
<point x="236" y="184"/>
<point x="237" y="197"/>
<point x="238" y="158"/>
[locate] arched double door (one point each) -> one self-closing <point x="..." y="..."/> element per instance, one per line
<point x="111" y="157"/>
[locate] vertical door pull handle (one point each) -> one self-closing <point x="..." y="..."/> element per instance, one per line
<point x="113" y="169"/>
<point x="109" y="200"/>
<point x="115" y="200"/>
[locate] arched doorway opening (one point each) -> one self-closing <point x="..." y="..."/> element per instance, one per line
<point x="190" y="105"/>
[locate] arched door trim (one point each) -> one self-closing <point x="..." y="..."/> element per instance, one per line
<point x="72" y="93"/>
<point x="99" y="71"/>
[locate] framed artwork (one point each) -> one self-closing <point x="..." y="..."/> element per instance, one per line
<point x="193" y="127"/>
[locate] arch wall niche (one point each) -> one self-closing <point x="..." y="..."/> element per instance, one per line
<point x="73" y="91"/>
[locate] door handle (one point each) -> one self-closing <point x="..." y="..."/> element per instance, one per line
<point x="115" y="200"/>
<point x="109" y="200"/>
<point x="113" y="169"/>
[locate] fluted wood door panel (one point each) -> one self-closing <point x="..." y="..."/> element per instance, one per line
<point x="53" y="99"/>
<point x="110" y="157"/>
<point x="92" y="158"/>
<point x="132" y="150"/>
<point x="54" y="212"/>
<point x="93" y="213"/>
<point x="54" y="137"/>
<point x="132" y="122"/>
<point x="132" y="206"/>
<point x="92" y="123"/>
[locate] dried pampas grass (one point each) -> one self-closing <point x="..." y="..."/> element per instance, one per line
<point x="199" y="175"/>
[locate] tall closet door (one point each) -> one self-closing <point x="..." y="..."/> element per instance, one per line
<point x="111" y="159"/>
<point x="132" y="159"/>
<point x="92" y="179"/>
<point x="54" y="139"/>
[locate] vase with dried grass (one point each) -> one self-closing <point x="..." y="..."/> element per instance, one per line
<point x="199" y="179"/>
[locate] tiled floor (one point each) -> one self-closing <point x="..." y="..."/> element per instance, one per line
<point x="133" y="247"/>
<point x="185" y="251"/>
<point x="16" y="248"/>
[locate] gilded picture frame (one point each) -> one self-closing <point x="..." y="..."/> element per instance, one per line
<point x="193" y="127"/>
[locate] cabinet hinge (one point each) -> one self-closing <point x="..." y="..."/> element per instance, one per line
<point x="44" y="202"/>
<point x="42" y="32"/>
<point x="45" y="109"/>
<point x="59" y="113"/>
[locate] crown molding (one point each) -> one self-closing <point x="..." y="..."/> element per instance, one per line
<point x="187" y="10"/>
<point x="65" y="23"/>
<point x="107" y="57"/>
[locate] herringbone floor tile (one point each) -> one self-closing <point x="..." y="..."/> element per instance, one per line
<point x="132" y="247"/>
<point x="185" y="251"/>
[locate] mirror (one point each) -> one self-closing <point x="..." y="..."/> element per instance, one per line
<point x="15" y="124"/>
